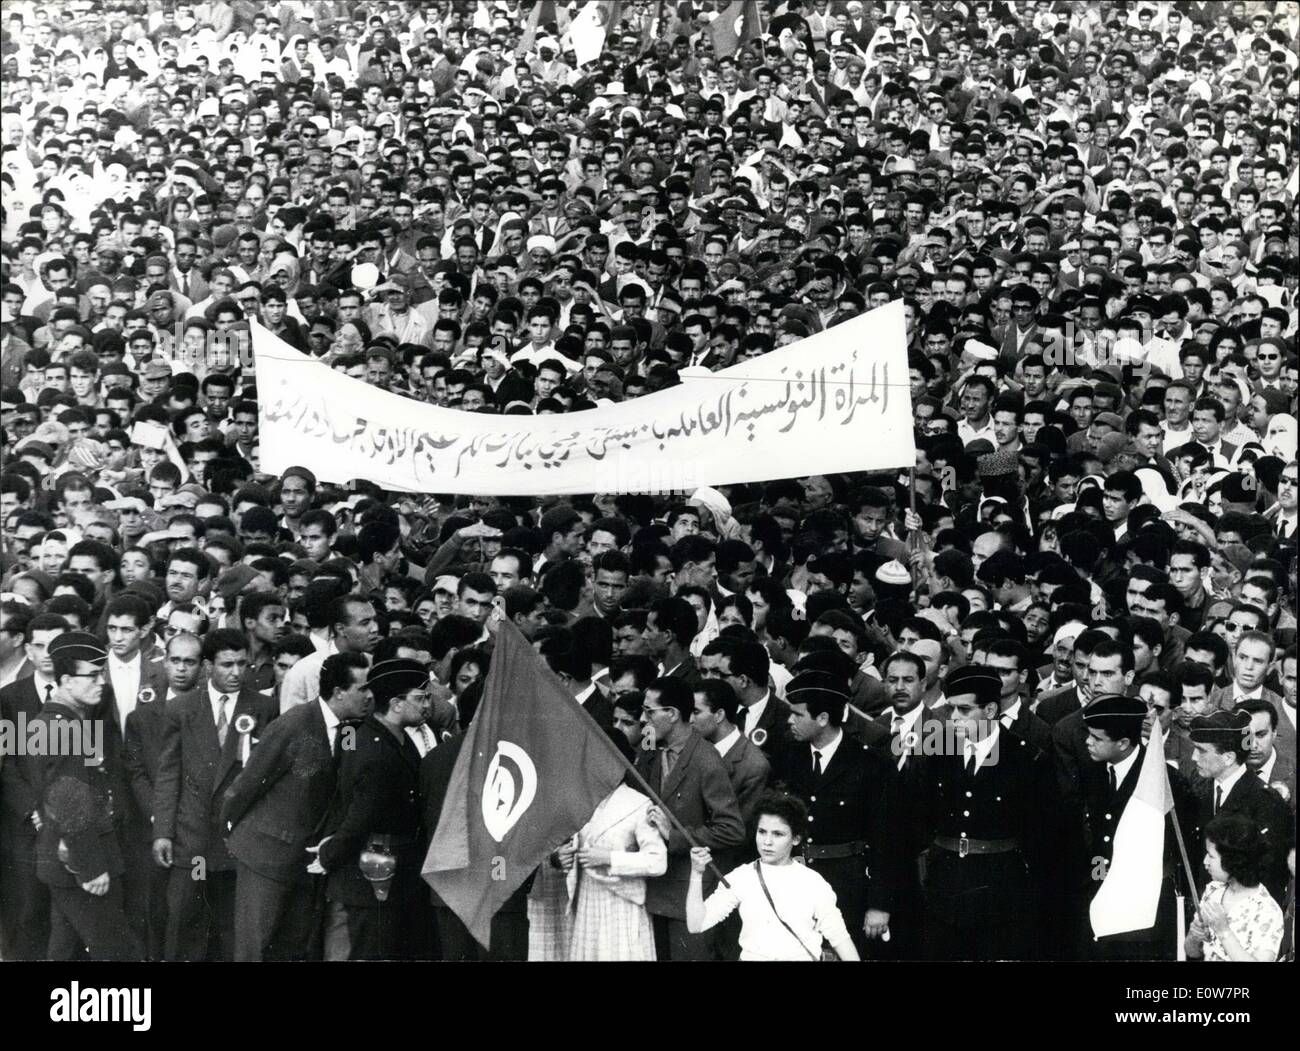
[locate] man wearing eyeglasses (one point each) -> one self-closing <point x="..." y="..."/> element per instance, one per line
<point x="77" y="852"/>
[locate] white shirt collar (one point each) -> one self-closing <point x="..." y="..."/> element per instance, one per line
<point x="116" y="662"/>
<point x="828" y="753"/>
<point x="910" y="719"/>
<point x="1124" y="766"/>
<point x="1229" y="782"/>
<point x="982" y="748"/>
<point x="585" y="694"/>
<point x="1266" y="771"/>
<point x="1012" y="713"/>
<point x="755" y="713"/>
<point x="725" y="745"/>
<point x="1239" y="695"/>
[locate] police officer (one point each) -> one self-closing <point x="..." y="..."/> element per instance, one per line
<point x="1115" y="747"/>
<point x="78" y="855"/>
<point x="847" y="790"/>
<point x="372" y="855"/>
<point x="985" y="801"/>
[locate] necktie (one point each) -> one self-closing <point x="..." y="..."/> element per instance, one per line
<point x="223" y="722"/>
<point x="898" y="723"/>
<point x="817" y="763"/>
<point x="670" y="759"/>
<point x="49" y="693"/>
<point x="1114" y="787"/>
<point x="426" y="738"/>
<point x="741" y="716"/>
<point x="1218" y="797"/>
<point x="970" y="761"/>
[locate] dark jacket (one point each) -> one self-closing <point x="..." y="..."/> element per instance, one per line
<point x="699" y="793"/>
<point x="194" y="773"/>
<point x="378" y="795"/>
<point x="77" y="805"/>
<point x="277" y="805"/>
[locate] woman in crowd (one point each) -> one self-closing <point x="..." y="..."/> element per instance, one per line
<point x="1238" y="919"/>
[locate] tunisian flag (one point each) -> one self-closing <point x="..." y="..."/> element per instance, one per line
<point x="531" y="773"/>
<point x="1130" y="893"/>
<point x="739" y="23"/>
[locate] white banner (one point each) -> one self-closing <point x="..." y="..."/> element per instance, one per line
<point x="837" y="401"/>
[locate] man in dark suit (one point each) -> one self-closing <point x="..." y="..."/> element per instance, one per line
<point x="716" y="706"/>
<point x="670" y="627"/>
<point x="900" y="735"/>
<point x="687" y="773"/>
<point x="1009" y="659"/>
<point x="984" y="807"/>
<point x="762" y="718"/>
<point x="276" y="808"/>
<point x="847" y="788"/>
<point x="1270" y="753"/>
<point x="376" y="827"/>
<point x="78" y="854"/>
<point x="1229" y="787"/>
<point x="509" y="935"/>
<point x="1117" y="752"/>
<point x="131" y="680"/>
<point x="24" y="899"/>
<point x="206" y="734"/>
<point x="146" y="728"/>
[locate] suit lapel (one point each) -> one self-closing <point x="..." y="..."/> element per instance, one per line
<point x="204" y="727"/>
<point x="244" y="705"/>
<point x="678" y="771"/>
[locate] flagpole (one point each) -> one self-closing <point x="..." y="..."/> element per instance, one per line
<point x="672" y="818"/>
<point x="1187" y="870"/>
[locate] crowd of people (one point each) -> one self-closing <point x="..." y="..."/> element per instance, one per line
<point x="902" y="712"/>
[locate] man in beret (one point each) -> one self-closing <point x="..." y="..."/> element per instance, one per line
<point x="1228" y="786"/>
<point x="375" y="828"/>
<point x="986" y="807"/>
<point x="78" y="855"/>
<point x="1116" y="747"/>
<point x="209" y="733"/>
<point x="848" y="789"/>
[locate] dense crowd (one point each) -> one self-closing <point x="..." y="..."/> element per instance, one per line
<point x="904" y="710"/>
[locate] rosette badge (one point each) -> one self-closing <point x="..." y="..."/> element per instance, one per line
<point x="147" y="695"/>
<point x="759" y="737"/>
<point x="244" y="726"/>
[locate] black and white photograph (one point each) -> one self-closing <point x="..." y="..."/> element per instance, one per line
<point x="713" y="481"/>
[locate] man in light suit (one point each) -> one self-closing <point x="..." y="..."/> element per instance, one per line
<point x="204" y="735"/>
<point x="687" y="773"/>
<point x="277" y="807"/>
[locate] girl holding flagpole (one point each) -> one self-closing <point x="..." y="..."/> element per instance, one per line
<point x="1238" y="919"/>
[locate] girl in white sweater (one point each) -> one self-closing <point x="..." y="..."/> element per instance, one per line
<point x="786" y="909"/>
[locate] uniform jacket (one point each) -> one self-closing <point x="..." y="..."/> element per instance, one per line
<point x="378" y="793"/>
<point x="1251" y="799"/>
<point x="194" y="772"/>
<point x="851" y="802"/>
<point x="1012" y="799"/>
<point x="77" y="804"/>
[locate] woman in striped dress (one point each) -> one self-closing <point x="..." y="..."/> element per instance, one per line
<point x="616" y="851"/>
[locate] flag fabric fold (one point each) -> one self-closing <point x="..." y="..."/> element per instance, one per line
<point x="1130" y="894"/>
<point x="531" y="772"/>
<point x="587" y="31"/>
<point x="738" y="24"/>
